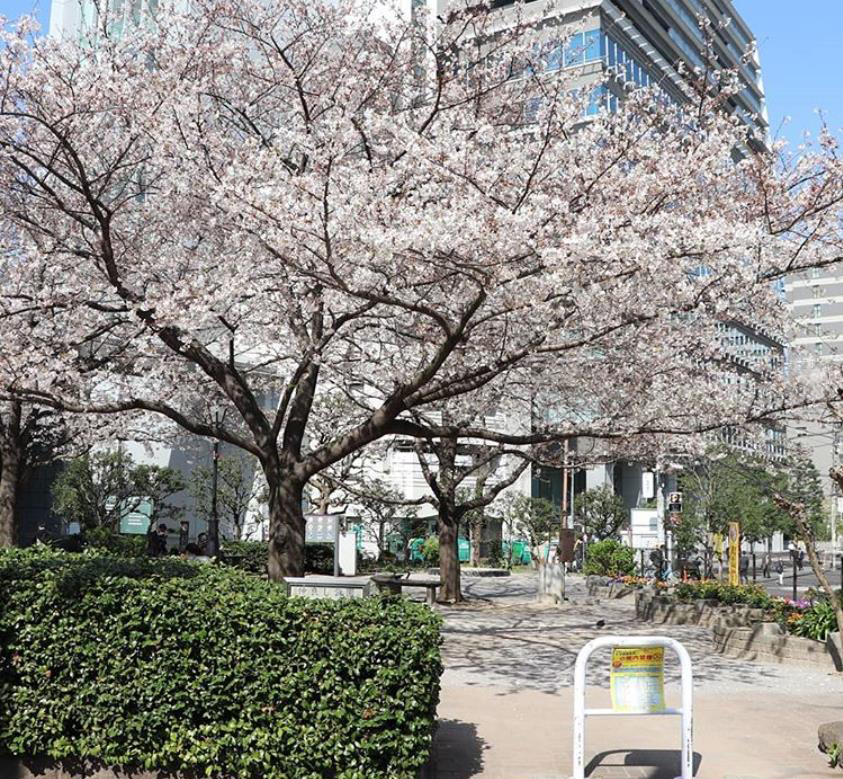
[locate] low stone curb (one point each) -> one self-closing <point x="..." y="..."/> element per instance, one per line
<point x="19" y="768"/>
<point x="474" y="572"/>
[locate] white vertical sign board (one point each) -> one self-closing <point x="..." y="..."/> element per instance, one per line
<point x="348" y="553"/>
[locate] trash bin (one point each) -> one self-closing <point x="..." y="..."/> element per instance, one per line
<point x="463" y="550"/>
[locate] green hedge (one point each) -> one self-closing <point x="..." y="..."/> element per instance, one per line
<point x="117" y="544"/>
<point x="252" y="556"/>
<point x="609" y="558"/>
<point x="172" y="665"/>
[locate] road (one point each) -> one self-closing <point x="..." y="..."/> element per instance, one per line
<point x="805" y="580"/>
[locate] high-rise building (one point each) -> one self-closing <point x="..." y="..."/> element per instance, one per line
<point x="644" y="42"/>
<point x="82" y="17"/>
<point x="815" y="299"/>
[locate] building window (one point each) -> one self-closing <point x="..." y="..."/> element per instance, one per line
<point x="817" y="311"/>
<point x="593" y="46"/>
<point x="574" y="54"/>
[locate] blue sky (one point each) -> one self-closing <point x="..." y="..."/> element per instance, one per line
<point x="801" y="50"/>
<point x="800" y="44"/>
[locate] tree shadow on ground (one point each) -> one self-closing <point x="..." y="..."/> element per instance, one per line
<point x="79" y="768"/>
<point x="457" y="750"/>
<point x="522" y="645"/>
<point x="653" y="763"/>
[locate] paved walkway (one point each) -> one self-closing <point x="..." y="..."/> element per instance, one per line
<point x="506" y="702"/>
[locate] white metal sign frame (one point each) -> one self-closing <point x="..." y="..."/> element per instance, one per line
<point x="685" y="712"/>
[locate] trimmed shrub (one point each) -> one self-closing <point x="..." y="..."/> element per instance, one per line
<point x="172" y="665"/>
<point x="609" y="558"/>
<point x="117" y="544"/>
<point x="252" y="556"/>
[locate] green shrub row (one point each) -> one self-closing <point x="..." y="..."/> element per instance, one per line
<point x="252" y="556"/>
<point x="710" y="589"/>
<point x="172" y="665"/>
<point x="119" y="544"/>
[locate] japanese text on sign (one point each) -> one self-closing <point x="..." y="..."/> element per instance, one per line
<point x="637" y="679"/>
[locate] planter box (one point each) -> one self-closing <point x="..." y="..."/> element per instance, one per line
<point x="706" y="613"/>
<point x="768" y="642"/>
<point x="609" y="589"/>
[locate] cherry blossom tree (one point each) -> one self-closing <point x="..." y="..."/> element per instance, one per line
<point x="262" y="203"/>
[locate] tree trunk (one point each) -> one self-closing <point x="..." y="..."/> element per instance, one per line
<point x="286" y="524"/>
<point x="475" y="533"/>
<point x="10" y="479"/>
<point x="449" y="561"/>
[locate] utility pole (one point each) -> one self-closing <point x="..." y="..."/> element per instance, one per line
<point x="564" y="507"/>
<point x="214" y="524"/>
<point x="563" y="520"/>
<point x="834" y="444"/>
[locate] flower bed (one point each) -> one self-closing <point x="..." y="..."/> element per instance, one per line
<point x="812" y="617"/>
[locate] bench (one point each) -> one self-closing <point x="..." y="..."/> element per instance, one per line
<point x="392" y="585"/>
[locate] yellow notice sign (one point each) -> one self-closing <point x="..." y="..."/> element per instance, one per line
<point x="734" y="553"/>
<point x="637" y="679"/>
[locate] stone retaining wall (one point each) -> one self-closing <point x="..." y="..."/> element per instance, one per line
<point x="466" y="570"/>
<point x="768" y="642"/>
<point x="740" y="631"/>
<point x="606" y="588"/>
<point x="651" y="607"/>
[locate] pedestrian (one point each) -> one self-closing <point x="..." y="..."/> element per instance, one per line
<point x="765" y="568"/>
<point x="744" y="568"/>
<point x="779" y="568"/>
<point x="657" y="559"/>
<point x="202" y="543"/>
<point x="801" y="558"/>
<point x="156" y="540"/>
